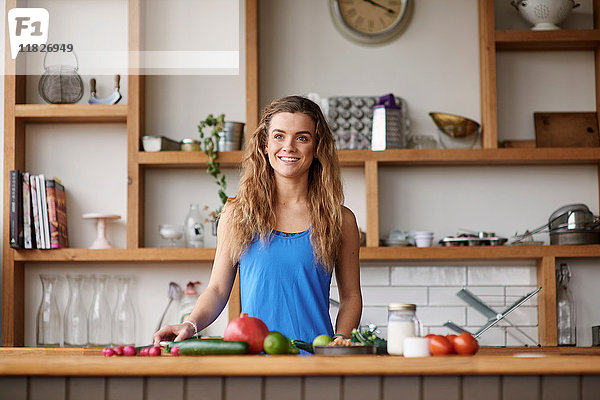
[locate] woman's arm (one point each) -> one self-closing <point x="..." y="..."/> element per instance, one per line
<point x="212" y="300"/>
<point x="347" y="274"/>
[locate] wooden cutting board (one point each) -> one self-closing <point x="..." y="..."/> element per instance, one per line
<point x="566" y="129"/>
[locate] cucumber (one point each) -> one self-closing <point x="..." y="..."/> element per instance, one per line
<point x="200" y="347"/>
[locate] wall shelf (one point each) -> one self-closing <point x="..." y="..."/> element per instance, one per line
<point x="366" y="254"/>
<point x="563" y="40"/>
<point x="400" y="157"/>
<point x="71" y="113"/>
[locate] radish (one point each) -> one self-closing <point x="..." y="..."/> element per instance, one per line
<point x="154" y="351"/>
<point x="247" y="329"/>
<point x="175" y="351"/>
<point x="144" y="351"/>
<point x="108" y="352"/>
<point x="118" y="350"/>
<point x="129" y="351"/>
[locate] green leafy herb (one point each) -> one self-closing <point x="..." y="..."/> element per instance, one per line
<point x="208" y="143"/>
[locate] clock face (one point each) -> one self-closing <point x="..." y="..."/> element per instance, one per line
<point x="370" y="21"/>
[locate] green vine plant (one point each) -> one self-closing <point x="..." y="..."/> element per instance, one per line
<point x="208" y="143"/>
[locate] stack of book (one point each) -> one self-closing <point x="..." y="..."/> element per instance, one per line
<point x="38" y="212"/>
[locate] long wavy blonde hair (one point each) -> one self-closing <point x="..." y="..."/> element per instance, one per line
<point x="252" y="211"/>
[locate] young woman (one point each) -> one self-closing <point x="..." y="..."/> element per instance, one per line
<point x="286" y="231"/>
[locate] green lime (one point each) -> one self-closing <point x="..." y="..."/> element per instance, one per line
<point x="322" y="340"/>
<point x="276" y="343"/>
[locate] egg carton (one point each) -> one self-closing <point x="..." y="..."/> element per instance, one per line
<point x="350" y="119"/>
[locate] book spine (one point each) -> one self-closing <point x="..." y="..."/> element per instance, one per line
<point x="28" y="237"/>
<point x="52" y="219"/>
<point x="35" y="210"/>
<point x="44" y="203"/>
<point x="15" y="179"/>
<point x="61" y="215"/>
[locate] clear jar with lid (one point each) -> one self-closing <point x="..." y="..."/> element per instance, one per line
<point x="402" y="323"/>
<point x="190" y="145"/>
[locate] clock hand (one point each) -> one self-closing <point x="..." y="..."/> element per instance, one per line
<point x="379" y="5"/>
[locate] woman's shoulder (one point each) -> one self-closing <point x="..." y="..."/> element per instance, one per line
<point x="348" y="218"/>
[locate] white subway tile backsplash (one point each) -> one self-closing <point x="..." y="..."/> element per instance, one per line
<point x="383" y="296"/>
<point x="438" y="316"/>
<point x="451" y="276"/>
<point x="375" y="276"/>
<point x="516" y="338"/>
<point x="495" y="336"/>
<point x="374" y="315"/>
<point x="490" y="295"/>
<point x="445" y="296"/>
<point x="508" y="275"/>
<point x="514" y="293"/>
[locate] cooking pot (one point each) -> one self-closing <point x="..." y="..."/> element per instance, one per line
<point x="574" y="224"/>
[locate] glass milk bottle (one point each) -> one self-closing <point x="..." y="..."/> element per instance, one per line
<point x="402" y="323"/>
<point x="193" y="228"/>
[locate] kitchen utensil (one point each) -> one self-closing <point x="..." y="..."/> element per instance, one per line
<point x="350" y="119"/>
<point x="566" y="319"/>
<point x="470" y="239"/>
<point x="159" y="143"/>
<point x="175" y="293"/>
<point x="344" y="350"/>
<point x="101" y="241"/>
<point x="499" y="317"/>
<point x="60" y="84"/>
<point x="566" y="129"/>
<point x="388" y="132"/>
<point x="455" y="131"/>
<point x="544" y="14"/>
<point x="112" y="99"/>
<point x="478" y="304"/>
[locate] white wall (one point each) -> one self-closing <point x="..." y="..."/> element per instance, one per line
<point x="434" y="65"/>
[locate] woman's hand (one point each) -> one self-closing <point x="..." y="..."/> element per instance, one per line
<point x="175" y="333"/>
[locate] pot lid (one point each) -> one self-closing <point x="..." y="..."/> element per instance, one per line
<point x="568" y="208"/>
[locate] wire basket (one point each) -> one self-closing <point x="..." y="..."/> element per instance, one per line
<point x="61" y="84"/>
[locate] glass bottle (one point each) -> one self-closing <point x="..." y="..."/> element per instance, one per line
<point x="565" y="305"/>
<point x="99" y="316"/>
<point x="49" y="322"/>
<point x="402" y="323"/>
<point x="124" y="315"/>
<point x="193" y="228"/>
<point x="75" y="314"/>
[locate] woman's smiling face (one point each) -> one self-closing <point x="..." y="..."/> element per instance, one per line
<point x="291" y="144"/>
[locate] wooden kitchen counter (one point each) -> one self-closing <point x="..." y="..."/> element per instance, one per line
<point x="90" y="362"/>
<point x="493" y="374"/>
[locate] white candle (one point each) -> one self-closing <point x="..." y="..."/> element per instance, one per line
<point x="397" y="331"/>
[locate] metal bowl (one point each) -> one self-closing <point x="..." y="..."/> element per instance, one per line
<point x="454" y="125"/>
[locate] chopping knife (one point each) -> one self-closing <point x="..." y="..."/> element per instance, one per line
<point x="112" y="99"/>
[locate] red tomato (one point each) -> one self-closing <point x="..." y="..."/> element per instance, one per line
<point x="451" y="338"/>
<point x="465" y="343"/>
<point x="439" y="345"/>
<point x="430" y="335"/>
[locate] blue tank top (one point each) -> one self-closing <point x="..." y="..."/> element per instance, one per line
<point x="281" y="283"/>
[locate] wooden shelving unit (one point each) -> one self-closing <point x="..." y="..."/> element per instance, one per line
<point x="18" y="115"/>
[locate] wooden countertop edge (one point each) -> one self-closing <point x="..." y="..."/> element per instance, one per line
<point x="78" y="365"/>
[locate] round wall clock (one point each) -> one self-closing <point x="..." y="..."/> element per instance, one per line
<point x="370" y="21"/>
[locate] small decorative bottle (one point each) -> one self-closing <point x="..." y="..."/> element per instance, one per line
<point x="193" y="228"/>
<point x="99" y="316"/>
<point x="124" y="315"/>
<point x="75" y="314"/>
<point x="565" y="305"/>
<point x="49" y="324"/>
